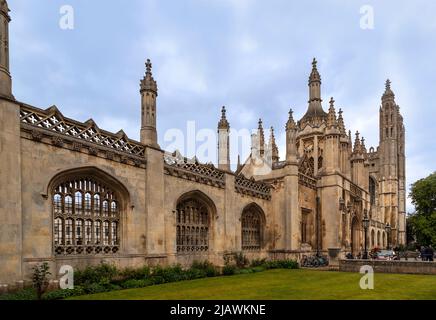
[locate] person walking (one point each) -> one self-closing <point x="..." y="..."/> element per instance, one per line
<point x="430" y="253"/>
<point x="423" y="256"/>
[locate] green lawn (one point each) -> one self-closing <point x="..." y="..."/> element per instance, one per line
<point x="284" y="284"/>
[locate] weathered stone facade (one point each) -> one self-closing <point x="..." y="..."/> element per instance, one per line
<point x="75" y="194"/>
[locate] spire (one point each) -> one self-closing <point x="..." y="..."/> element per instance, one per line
<point x="223" y="123"/>
<point x="363" y="147"/>
<point x="148" y="90"/>
<point x="315" y="114"/>
<point x="357" y="145"/>
<point x="261" y="138"/>
<point x="273" y="146"/>
<point x="148" y="83"/>
<point x="388" y="94"/>
<point x="314" y="75"/>
<point x="331" y="117"/>
<point x="341" y="123"/>
<point x="291" y="123"/>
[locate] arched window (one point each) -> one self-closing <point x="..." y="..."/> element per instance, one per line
<point x="373" y="239"/>
<point x="88" y="207"/>
<point x="86" y="217"/>
<point x="372" y="187"/>
<point x="78" y="205"/>
<point x="193" y="217"/>
<point x="251" y="228"/>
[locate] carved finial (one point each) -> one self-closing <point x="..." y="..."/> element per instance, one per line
<point x="148" y="67"/>
<point x="341" y="123"/>
<point x="332" y="102"/>
<point x="148" y="83"/>
<point x="291" y="123"/>
<point x="388" y="94"/>
<point x="388" y="84"/>
<point x="223" y="123"/>
<point x="314" y="75"/>
<point x="331" y="117"/>
<point x="363" y="145"/>
<point x="357" y="146"/>
<point x="273" y="146"/>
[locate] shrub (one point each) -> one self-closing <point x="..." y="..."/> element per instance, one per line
<point x="281" y="264"/>
<point x="40" y="279"/>
<point x="169" y="274"/>
<point x="96" y="274"/>
<point x="63" y="294"/>
<point x="95" y="288"/>
<point x="138" y="274"/>
<point x="193" y="273"/>
<point x="258" y="262"/>
<point x="240" y="260"/>
<point x="209" y="269"/>
<point x="157" y="280"/>
<point x="229" y="270"/>
<point x="25" y="294"/>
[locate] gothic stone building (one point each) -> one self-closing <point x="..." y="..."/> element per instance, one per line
<point x="75" y="194"/>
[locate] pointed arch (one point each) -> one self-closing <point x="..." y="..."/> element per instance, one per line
<point x="252" y="227"/>
<point x="194" y="215"/>
<point x="81" y="225"/>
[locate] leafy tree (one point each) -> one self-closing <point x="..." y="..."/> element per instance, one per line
<point x="422" y="224"/>
<point x="40" y="278"/>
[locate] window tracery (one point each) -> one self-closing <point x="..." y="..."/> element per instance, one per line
<point x="86" y="217"/>
<point x="192" y="217"/>
<point x="251" y="228"/>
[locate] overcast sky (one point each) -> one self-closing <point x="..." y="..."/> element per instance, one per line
<point x="252" y="56"/>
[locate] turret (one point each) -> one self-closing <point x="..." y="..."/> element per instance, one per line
<point x="357" y="162"/>
<point x="261" y="138"/>
<point x="5" y="76"/>
<point x="331" y="143"/>
<point x="148" y="108"/>
<point x="315" y="115"/>
<point x="392" y="165"/>
<point x="223" y="142"/>
<point x="291" y="139"/>
<point x="273" y="147"/>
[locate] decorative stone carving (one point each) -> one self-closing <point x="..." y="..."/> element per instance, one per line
<point x="53" y="121"/>
<point x="77" y="146"/>
<point x="36" y="135"/>
<point x="57" y="141"/>
<point x="252" y="188"/>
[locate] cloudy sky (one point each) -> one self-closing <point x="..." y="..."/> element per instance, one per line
<point x="252" y="56"/>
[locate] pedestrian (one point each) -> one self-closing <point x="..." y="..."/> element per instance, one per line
<point x="430" y="253"/>
<point x="423" y="256"/>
